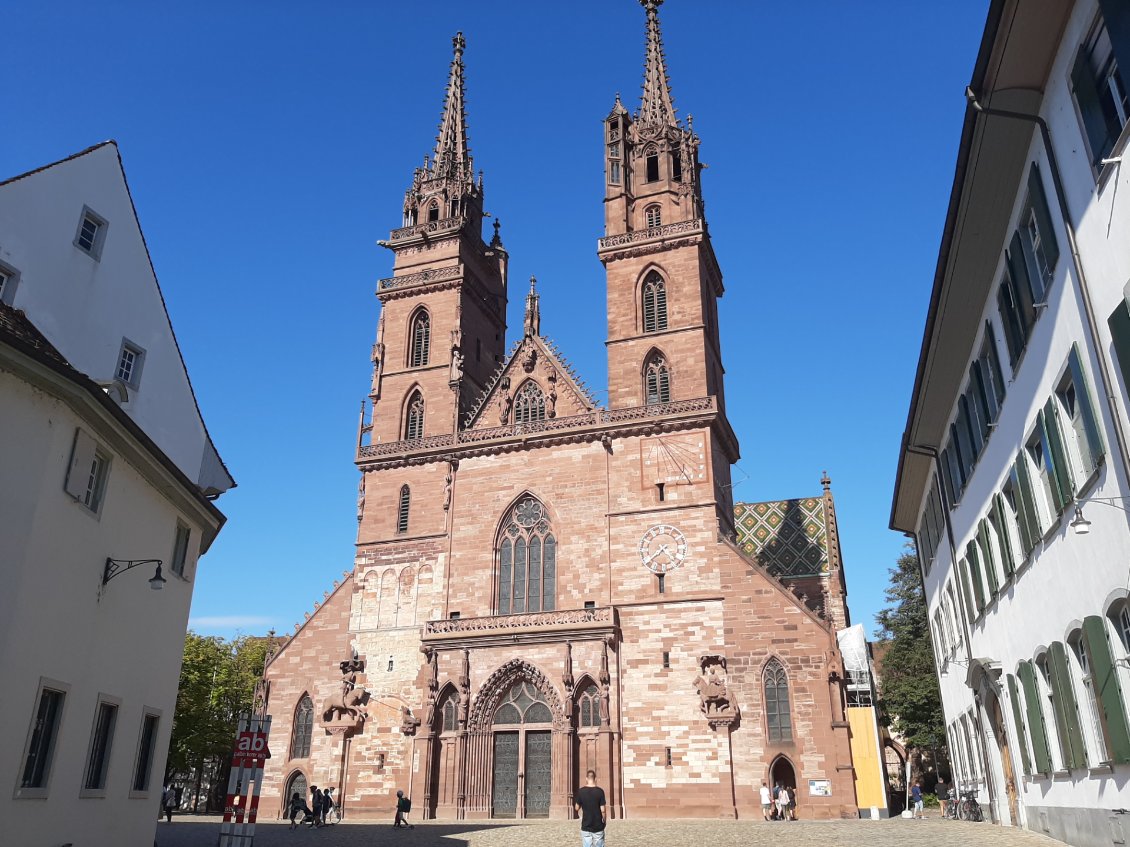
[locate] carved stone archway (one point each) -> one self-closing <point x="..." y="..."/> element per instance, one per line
<point x="501" y="681"/>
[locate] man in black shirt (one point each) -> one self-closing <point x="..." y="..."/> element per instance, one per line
<point x="592" y="807"/>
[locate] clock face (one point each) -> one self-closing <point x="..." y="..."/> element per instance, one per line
<point x="663" y="548"/>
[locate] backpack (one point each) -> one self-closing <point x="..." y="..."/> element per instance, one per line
<point x="406" y="804"/>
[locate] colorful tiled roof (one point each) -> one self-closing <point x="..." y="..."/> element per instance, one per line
<point x="788" y="537"/>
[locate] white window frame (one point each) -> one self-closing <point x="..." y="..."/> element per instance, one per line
<point x="1042" y="493"/>
<point x="1083" y="683"/>
<point x="178" y="562"/>
<point x="104" y="776"/>
<point x="42" y="791"/>
<point x="95" y="248"/>
<point x="138" y="353"/>
<point x="141" y="793"/>
<point x="9" y="282"/>
<point x="1041" y="672"/>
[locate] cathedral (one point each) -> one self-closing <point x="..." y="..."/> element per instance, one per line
<point x="544" y="584"/>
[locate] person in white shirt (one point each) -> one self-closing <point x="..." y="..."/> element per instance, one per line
<point x="766" y="801"/>
<point x="783" y="803"/>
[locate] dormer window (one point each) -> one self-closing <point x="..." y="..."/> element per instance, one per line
<point x="433" y="211"/>
<point x="654" y="216"/>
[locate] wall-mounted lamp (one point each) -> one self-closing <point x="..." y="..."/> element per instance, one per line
<point x="117" y="566"/>
<point x="1081" y="525"/>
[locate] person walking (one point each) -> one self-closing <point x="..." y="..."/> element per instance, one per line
<point x="916" y="798"/>
<point x="168" y="802"/>
<point x="403" y="807"/>
<point x="316" y="805"/>
<point x="782" y="803"/>
<point x="591" y="805"/>
<point x="329" y="806"/>
<point x="766" y="801"/>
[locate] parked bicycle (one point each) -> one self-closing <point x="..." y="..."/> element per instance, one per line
<point x="969" y="809"/>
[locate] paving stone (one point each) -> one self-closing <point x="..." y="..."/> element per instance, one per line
<point x="203" y="832"/>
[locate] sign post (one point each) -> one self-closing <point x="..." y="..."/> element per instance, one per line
<point x="245" y="781"/>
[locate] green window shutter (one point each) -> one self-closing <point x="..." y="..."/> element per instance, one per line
<point x="1108" y="688"/>
<point x="1094" y="448"/>
<point x="1022" y="283"/>
<point x="990" y="562"/>
<point x="1039" y="201"/>
<point x="1063" y="488"/>
<point x="1090" y="107"/>
<point x="963" y="571"/>
<point x="1035" y="717"/>
<point x="1029" y="521"/>
<point x="1021" y="734"/>
<point x="1002" y="531"/>
<point x="1075" y="754"/>
<point x="975" y="574"/>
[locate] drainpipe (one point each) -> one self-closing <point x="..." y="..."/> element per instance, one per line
<point x="1084" y="288"/>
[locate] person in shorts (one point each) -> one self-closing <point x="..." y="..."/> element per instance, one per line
<point x="591" y="805"/>
<point x="916" y="798"/>
<point x="766" y="801"/>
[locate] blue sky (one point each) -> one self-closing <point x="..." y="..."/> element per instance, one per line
<point x="268" y="146"/>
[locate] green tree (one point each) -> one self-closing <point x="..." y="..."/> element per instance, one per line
<point x="909" y="695"/>
<point x="217" y="682"/>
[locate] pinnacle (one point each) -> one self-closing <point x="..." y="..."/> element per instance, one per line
<point x="452" y="154"/>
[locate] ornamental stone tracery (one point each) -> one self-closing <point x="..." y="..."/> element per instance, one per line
<point x="499" y="685"/>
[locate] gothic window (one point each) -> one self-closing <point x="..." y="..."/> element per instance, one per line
<point x="654" y="216"/>
<point x="654" y="303"/>
<point x="419" y="339"/>
<point x="523" y="704"/>
<point x="657" y="380"/>
<point x="529" y="403"/>
<point x="455" y="207"/>
<point x="433" y="211"/>
<point x="676" y="167"/>
<point x="588" y="707"/>
<point x="414" y="419"/>
<point x="652" y="168"/>
<point x="450" y="723"/>
<point x="303" y="728"/>
<point x="527" y="560"/>
<point x="402" y="509"/>
<point x="776" y="687"/>
<point x="613" y="172"/>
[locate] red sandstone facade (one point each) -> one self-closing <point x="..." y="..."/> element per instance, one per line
<point x="543" y="585"/>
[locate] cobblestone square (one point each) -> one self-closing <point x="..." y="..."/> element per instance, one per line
<point x="198" y="832"/>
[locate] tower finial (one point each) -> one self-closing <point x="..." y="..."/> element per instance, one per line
<point x="826" y="482"/>
<point x="656" y="106"/>
<point x="453" y="156"/>
<point x="533" y="310"/>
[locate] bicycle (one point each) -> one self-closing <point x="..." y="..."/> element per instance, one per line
<point x="951" y="811"/>
<point x="332" y="816"/>
<point x="969" y="809"/>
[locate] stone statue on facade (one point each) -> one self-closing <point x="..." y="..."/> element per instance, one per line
<point x="348" y="706"/>
<point x="455" y="374"/>
<point x="713" y="688"/>
<point x="408" y="721"/>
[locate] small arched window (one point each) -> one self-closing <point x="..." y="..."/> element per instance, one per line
<point x="414" y="418"/>
<point x="433" y="211"/>
<point x="527" y="560"/>
<point x="402" y="509"/>
<point x="419" y="339"/>
<point x="1092" y="731"/>
<point x="657" y="380"/>
<point x="529" y="403"/>
<point x="302" y="729"/>
<point x="654" y="216"/>
<point x="588" y="707"/>
<point x="777" y="715"/>
<point x="654" y="303"/>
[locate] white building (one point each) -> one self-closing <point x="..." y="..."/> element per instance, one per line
<point x="1017" y="432"/>
<point x="103" y="456"/>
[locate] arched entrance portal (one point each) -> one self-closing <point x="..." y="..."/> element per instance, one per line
<point x="523" y="754"/>
<point x="296" y="783"/>
<point x="781" y="773"/>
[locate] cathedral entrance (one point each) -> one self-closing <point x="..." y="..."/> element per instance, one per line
<point x="523" y="754"/>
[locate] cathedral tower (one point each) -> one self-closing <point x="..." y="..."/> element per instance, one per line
<point x="443" y="311"/>
<point x="663" y="278"/>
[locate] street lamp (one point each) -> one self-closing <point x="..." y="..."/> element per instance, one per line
<point x="117" y="566"/>
<point x="1081" y="525"/>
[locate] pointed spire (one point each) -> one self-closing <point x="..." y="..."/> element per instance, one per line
<point x="453" y="157"/>
<point x="656" y="106"/>
<point x="617" y="107"/>
<point x="533" y="310"/>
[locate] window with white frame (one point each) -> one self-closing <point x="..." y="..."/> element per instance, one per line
<point x="91" y="234"/>
<point x="130" y="359"/>
<point x="88" y="471"/>
<point x="1100" y="93"/>
<point x="1035" y="453"/>
<point x="1084" y="682"/>
<point x="180" y="548"/>
<point x="41" y="741"/>
<point x="654" y="216"/>
<point x="101" y="741"/>
<point x="9" y="279"/>
<point x="1078" y="423"/>
<point x="1049" y="707"/>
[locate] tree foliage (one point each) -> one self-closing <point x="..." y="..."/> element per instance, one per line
<point x="909" y="694"/>
<point x="217" y="682"/>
